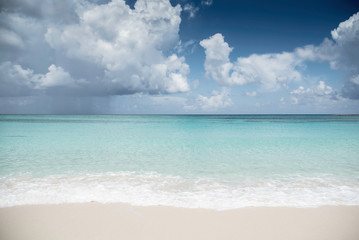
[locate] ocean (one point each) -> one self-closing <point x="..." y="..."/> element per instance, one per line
<point x="193" y="161"/>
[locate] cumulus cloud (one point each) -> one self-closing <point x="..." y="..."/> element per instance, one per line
<point x="217" y="63"/>
<point x="346" y="47"/>
<point x="346" y="44"/>
<point x="216" y="101"/>
<point x="273" y="71"/>
<point x="17" y="81"/>
<point x="270" y="70"/>
<point x="341" y="51"/>
<point x="107" y="49"/>
<point x="320" y="93"/>
<point x="128" y="44"/>
<point x="56" y="76"/>
<point x="191" y="9"/>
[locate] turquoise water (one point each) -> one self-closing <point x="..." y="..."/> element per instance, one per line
<point x="212" y="161"/>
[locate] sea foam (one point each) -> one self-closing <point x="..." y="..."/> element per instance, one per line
<point x="149" y="189"/>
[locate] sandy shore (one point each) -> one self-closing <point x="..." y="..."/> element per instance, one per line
<point x="120" y="221"/>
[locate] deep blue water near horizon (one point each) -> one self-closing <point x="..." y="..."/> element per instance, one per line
<point x="211" y="161"/>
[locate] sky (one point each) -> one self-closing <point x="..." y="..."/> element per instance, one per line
<point x="179" y="57"/>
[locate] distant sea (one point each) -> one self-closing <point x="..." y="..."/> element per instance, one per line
<point x="207" y="161"/>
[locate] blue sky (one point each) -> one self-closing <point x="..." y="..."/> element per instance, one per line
<point x="179" y="57"/>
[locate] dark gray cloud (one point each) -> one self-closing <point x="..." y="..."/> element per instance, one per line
<point x="56" y="11"/>
<point x="55" y="105"/>
<point x="351" y="88"/>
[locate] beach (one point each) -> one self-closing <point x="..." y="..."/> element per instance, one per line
<point x="179" y="120"/>
<point x="179" y="177"/>
<point x="86" y="221"/>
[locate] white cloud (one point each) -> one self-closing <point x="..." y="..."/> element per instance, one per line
<point x="346" y="37"/>
<point x="207" y="2"/>
<point x="217" y="63"/>
<point x="17" y="81"/>
<point x="191" y="9"/>
<point x="128" y="44"/>
<point x="217" y="101"/>
<point x="56" y="76"/>
<point x="346" y="47"/>
<point x="342" y="53"/>
<point x="271" y="71"/>
<point x="118" y="50"/>
<point x="319" y="94"/>
<point x="188" y="46"/>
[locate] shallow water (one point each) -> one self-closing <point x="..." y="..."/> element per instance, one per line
<point x="214" y="161"/>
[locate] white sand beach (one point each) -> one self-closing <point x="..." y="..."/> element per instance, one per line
<point x="87" y="221"/>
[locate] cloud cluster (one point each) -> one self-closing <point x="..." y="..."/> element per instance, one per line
<point x="342" y="53"/>
<point x="318" y="94"/>
<point x="216" y="101"/>
<point x="17" y="81"/>
<point x="191" y="9"/>
<point x="273" y="71"/>
<point x="107" y="49"/>
<point x="346" y="47"/>
<point x="217" y="63"/>
<point x="346" y="44"/>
